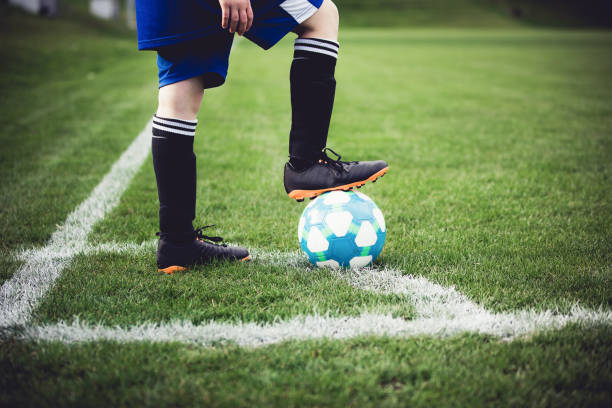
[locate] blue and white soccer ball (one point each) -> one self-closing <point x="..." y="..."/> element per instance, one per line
<point x="342" y="229"/>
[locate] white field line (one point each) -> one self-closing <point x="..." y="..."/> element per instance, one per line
<point x="127" y="248"/>
<point x="441" y="312"/>
<point x="20" y="294"/>
<point x="430" y="299"/>
<point x="505" y="326"/>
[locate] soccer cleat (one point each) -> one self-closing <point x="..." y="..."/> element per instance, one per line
<point x="174" y="257"/>
<point x="328" y="174"/>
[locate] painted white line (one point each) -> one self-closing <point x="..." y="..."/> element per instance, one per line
<point x="430" y="299"/>
<point x="128" y="248"/>
<point x="505" y="326"/>
<point x="20" y="294"/>
<point x="441" y="312"/>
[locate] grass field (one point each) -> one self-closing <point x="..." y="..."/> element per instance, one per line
<point x="476" y="13"/>
<point x="500" y="151"/>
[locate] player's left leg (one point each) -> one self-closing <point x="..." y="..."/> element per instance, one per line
<point x="313" y="85"/>
<point x="310" y="171"/>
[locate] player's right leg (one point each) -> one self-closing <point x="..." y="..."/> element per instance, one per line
<point x="185" y="71"/>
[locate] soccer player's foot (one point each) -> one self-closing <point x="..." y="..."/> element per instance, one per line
<point x="173" y="257"/>
<point x="329" y="174"/>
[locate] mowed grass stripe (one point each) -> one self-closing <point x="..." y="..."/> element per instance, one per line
<point x="126" y="290"/>
<point x="570" y="367"/>
<point x="437" y="311"/>
<point x="429" y="299"/>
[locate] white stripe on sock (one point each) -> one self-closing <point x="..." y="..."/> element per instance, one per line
<point x="172" y="123"/>
<point x="317" y="50"/>
<point x="192" y="121"/>
<point x="313" y="41"/>
<point x="180" y="132"/>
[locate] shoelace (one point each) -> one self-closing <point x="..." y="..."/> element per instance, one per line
<point x="337" y="163"/>
<point x="200" y="235"/>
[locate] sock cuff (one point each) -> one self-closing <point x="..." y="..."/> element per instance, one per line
<point x="163" y="127"/>
<point x="318" y="46"/>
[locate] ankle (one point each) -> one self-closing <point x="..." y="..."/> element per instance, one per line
<point x="177" y="238"/>
<point x="299" y="163"/>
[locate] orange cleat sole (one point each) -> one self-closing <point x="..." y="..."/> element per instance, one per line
<point x="300" y="195"/>
<point x="171" y="269"/>
<point x="175" y="268"/>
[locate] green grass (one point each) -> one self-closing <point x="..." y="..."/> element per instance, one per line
<point x="500" y="147"/>
<point x="122" y="290"/>
<point x="424" y="13"/>
<point x="74" y="94"/>
<point x="475" y="13"/>
<point x="571" y="367"/>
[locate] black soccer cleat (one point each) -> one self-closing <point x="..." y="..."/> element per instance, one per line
<point x="328" y="174"/>
<point x="174" y="257"/>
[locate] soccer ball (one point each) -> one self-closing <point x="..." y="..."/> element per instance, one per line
<point x="342" y="229"/>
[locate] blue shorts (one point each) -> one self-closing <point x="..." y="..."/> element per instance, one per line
<point x="190" y="42"/>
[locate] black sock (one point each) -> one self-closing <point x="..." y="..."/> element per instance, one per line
<point x="175" y="170"/>
<point x="313" y="87"/>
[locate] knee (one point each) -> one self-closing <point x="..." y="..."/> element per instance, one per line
<point x="324" y="23"/>
<point x="181" y="100"/>
<point x="331" y="14"/>
<point x="177" y="106"/>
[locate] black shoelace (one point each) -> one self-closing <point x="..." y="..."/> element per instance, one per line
<point x="200" y="235"/>
<point x="337" y="163"/>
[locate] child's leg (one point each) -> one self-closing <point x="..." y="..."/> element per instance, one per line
<point x="310" y="171"/>
<point x="181" y="100"/>
<point x="313" y="84"/>
<point x="173" y="158"/>
<point x="322" y="24"/>
<point x="174" y="162"/>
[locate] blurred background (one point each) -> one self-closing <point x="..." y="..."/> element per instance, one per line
<point x="454" y="13"/>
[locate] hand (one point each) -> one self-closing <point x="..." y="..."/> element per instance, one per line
<point x="237" y="15"/>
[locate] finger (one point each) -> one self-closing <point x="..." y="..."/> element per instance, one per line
<point x="234" y="20"/>
<point x="225" y="12"/>
<point x="243" y="22"/>
<point x="249" y="12"/>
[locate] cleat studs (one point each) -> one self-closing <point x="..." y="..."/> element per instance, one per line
<point x="374" y="181"/>
<point x="299" y="200"/>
